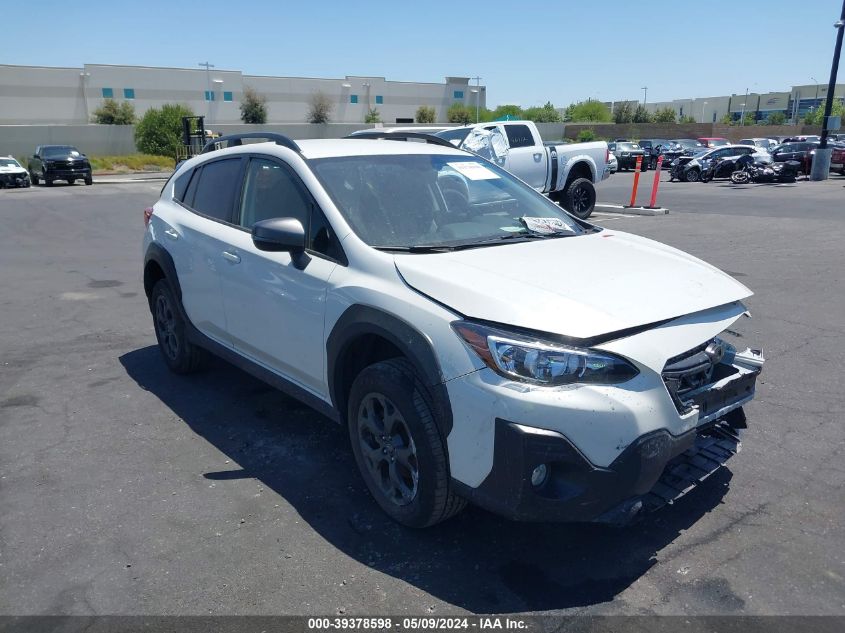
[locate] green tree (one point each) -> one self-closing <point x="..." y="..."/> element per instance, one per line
<point x="319" y="108"/>
<point x="816" y="116"/>
<point x="544" y="114"/>
<point x="623" y="112"/>
<point x="253" y="107"/>
<point x="159" y="131"/>
<point x="665" y="115"/>
<point x="590" y="111"/>
<point x="459" y="113"/>
<point x="373" y="116"/>
<point x="687" y="119"/>
<point x="776" y="118"/>
<point x="727" y="119"/>
<point x="641" y="115"/>
<point x="425" y="114"/>
<point x="114" y="113"/>
<point x="585" y="136"/>
<point x="513" y="111"/>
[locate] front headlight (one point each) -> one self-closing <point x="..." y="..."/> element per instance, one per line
<point x="543" y="362"/>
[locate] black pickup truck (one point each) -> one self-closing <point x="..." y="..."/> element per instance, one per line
<point x="59" y="162"/>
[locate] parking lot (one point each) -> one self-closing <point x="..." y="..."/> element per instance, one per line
<point x="128" y="490"/>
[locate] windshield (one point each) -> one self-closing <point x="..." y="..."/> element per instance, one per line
<point x="717" y="142"/>
<point x="9" y="162"/>
<point x="434" y="200"/>
<point x="454" y="135"/>
<point x="61" y="150"/>
<point x="628" y="146"/>
<point x="687" y="143"/>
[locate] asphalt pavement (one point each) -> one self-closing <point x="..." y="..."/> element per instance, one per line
<point x="127" y="490"/>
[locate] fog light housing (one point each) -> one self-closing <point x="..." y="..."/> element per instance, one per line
<point x="539" y="475"/>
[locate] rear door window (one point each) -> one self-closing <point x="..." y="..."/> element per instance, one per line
<point x="519" y="136"/>
<point x="218" y="184"/>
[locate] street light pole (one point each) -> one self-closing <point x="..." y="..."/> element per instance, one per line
<point x="742" y="116"/>
<point x="208" y="93"/>
<point x="821" y="160"/>
<point x="477" y="95"/>
<point x="645" y="95"/>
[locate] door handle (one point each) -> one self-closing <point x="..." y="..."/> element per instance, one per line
<point x="171" y="233"/>
<point x="232" y="257"/>
<point x="537" y="157"/>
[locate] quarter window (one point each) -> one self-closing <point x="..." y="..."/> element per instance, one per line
<point x="218" y="183"/>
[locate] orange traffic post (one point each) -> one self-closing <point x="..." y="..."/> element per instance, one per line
<point x="653" y="201"/>
<point x="636" y="181"/>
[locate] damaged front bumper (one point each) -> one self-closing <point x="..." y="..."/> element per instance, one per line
<point x="654" y="470"/>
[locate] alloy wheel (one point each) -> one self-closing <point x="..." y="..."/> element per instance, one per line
<point x="387" y="448"/>
<point x="165" y="321"/>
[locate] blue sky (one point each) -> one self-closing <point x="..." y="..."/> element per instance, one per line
<point x="525" y="52"/>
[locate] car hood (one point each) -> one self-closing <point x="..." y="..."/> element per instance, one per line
<point x="581" y="287"/>
<point x="11" y="170"/>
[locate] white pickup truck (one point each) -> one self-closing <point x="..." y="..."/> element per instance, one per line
<point x="566" y="172"/>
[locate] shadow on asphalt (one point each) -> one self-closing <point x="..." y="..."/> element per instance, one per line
<point x="476" y="561"/>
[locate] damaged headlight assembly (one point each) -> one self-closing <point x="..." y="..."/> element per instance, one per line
<point x="542" y="362"/>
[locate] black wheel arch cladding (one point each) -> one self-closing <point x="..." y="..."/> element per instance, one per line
<point x="359" y="322"/>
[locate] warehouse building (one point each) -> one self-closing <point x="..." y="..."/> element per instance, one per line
<point x="45" y="95"/>
<point x="794" y="104"/>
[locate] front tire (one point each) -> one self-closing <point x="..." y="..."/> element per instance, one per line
<point x="739" y="177"/>
<point x="89" y="180"/>
<point x="33" y="178"/>
<point x="693" y="175"/>
<point x="579" y="198"/>
<point x="71" y="181"/>
<point x="398" y="447"/>
<point x="180" y="355"/>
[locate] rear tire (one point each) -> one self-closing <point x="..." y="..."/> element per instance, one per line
<point x="33" y="178"/>
<point x="398" y="447"/>
<point x="48" y="182"/>
<point x="180" y="355"/>
<point x="739" y="178"/>
<point x="89" y="180"/>
<point x="579" y="198"/>
<point x="71" y="181"/>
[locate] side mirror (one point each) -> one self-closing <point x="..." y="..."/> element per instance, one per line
<point x="279" y="235"/>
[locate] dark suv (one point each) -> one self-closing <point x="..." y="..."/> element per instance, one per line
<point x="59" y="162"/>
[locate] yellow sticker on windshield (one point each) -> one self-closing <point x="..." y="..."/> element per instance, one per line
<point x="473" y="170"/>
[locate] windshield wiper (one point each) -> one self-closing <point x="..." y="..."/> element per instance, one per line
<point x="446" y="248"/>
<point x="416" y="248"/>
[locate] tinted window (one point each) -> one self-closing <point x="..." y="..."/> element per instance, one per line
<point x="519" y="136"/>
<point x="180" y="187"/>
<point x="272" y="190"/>
<point x="217" y="186"/>
<point x="321" y="237"/>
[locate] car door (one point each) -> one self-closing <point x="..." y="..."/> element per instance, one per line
<point x="196" y="240"/>
<point x="275" y="302"/>
<point x="527" y="158"/>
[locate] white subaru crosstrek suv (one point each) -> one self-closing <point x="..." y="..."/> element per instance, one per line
<point x="478" y="342"/>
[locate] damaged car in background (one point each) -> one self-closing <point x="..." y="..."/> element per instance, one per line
<point x="439" y="308"/>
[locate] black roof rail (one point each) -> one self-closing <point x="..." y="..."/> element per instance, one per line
<point x="232" y="140"/>
<point x="403" y="136"/>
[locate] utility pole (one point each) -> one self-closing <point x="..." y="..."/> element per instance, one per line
<point x="645" y="95"/>
<point x="742" y="116"/>
<point x="477" y="95"/>
<point x="821" y="160"/>
<point x="208" y="93"/>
